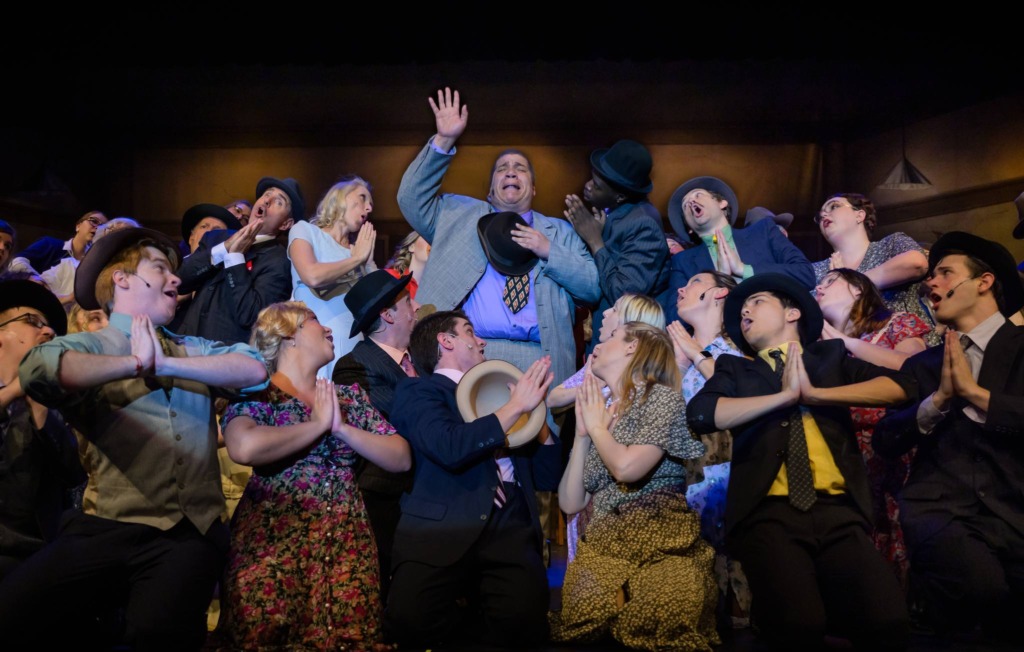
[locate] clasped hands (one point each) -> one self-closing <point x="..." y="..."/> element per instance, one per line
<point x="729" y="261"/>
<point x="956" y="378"/>
<point x="588" y="224"/>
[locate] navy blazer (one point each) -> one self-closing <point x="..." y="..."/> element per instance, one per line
<point x="759" y="446"/>
<point x="455" y="473"/>
<point x="962" y="465"/>
<point x="377" y="374"/>
<point x="761" y="245"/>
<point x="228" y="300"/>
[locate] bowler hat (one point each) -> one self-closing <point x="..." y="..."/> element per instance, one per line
<point x="810" y="312"/>
<point x="758" y="213"/>
<point x="505" y="254"/>
<point x="992" y="254"/>
<point x="21" y="293"/>
<point x="290" y="187"/>
<point x="371" y="294"/>
<point x="711" y="184"/>
<point x="484" y="389"/>
<point x="199" y="212"/>
<point x="626" y="164"/>
<point x="104" y="250"/>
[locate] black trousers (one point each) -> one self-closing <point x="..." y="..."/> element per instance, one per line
<point x="384" y="511"/>
<point x="972" y="571"/>
<point x="813" y="570"/>
<point x="498" y="592"/>
<point x="164" y="579"/>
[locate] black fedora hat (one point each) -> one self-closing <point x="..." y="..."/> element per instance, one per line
<point x="810" y="312"/>
<point x="993" y="254"/>
<point x="626" y="164"/>
<point x="290" y="187"/>
<point x="758" y="213"/>
<point x="199" y="212"/>
<point x="22" y="293"/>
<point x="371" y="294"/>
<point x="505" y="254"/>
<point x="104" y="250"/>
<point x="712" y="184"/>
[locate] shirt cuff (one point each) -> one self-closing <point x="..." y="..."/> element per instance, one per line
<point x="218" y="253"/>
<point x="439" y="150"/>
<point x="928" y="416"/>
<point x="232" y="259"/>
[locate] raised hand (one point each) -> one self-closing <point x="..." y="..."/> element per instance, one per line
<point x="835" y="261"/>
<point x="591" y="405"/>
<point x="533" y="240"/>
<point x="144" y="344"/>
<point x="588" y="224"/>
<point x="960" y="369"/>
<point x="729" y="261"/>
<point x="325" y="403"/>
<point x="451" y="118"/>
<point x="338" y="419"/>
<point x="532" y="387"/>
<point x="686" y="348"/>
<point x="242" y="239"/>
<point x="830" y="332"/>
<point x="792" y="383"/>
<point x="581" y="428"/>
<point x="366" y="239"/>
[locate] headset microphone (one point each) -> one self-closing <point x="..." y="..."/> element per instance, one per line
<point x="141" y="279"/>
<point x="950" y="293"/>
<point x="701" y="297"/>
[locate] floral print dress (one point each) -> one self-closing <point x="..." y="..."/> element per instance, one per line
<point x="302" y="570"/>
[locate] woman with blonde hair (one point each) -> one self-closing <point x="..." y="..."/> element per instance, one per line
<point x="330" y="254"/>
<point x="302" y="568"/>
<point x="642" y="573"/>
<point x="410" y="257"/>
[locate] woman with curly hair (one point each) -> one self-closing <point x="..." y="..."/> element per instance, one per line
<point x="410" y="257"/>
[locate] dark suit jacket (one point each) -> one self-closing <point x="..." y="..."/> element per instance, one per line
<point x="228" y="301"/>
<point x="762" y="246"/>
<point x="759" y="446"/>
<point x="962" y="465"/>
<point x="372" y="368"/>
<point x="456" y="475"/>
<point x="634" y="257"/>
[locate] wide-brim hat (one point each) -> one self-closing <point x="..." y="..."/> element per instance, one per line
<point x="1018" y="231"/>
<point x="101" y="253"/>
<point x="626" y="164"/>
<point x="810" y="312"/>
<point x="993" y="254"/>
<point x="290" y="187"/>
<point x="199" y="212"/>
<point x="371" y="294"/>
<point x="758" y="213"/>
<point x="484" y="389"/>
<point x="21" y="293"/>
<point x="675" y="204"/>
<point x="505" y="254"/>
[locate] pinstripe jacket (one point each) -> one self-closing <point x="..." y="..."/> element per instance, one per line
<point x="457" y="260"/>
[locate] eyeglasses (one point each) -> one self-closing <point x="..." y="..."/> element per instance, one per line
<point x="829" y="208"/>
<point x="30" y="319"/>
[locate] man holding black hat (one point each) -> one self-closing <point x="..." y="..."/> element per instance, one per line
<point x="962" y="509"/>
<point x="385" y="313"/>
<point x="798" y="503"/>
<point x="38" y="454"/>
<point x="459" y="272"/>
<point x="707" y="207"/>
<point x="236" y="274"/>
<point x="150" y="531"/>
<point x="623" y="232"/>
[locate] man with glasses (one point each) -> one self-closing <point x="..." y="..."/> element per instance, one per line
<point x="47" y="251"/>
<point x="38" y="455"/>
<point x="150" y="535"/>
<point x="962" y="508"/>
<point x="707" y="207"/>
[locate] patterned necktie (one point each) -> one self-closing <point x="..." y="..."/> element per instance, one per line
<point x="798" y="464"/>
<point x="407" y="367"/>
<point x="516" y="292"/>
<point x="499" y="496"/>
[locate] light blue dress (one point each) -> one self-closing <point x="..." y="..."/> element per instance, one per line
<point x="332" y="312"/>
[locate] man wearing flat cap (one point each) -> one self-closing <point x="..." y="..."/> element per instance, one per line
<point x="798" y="503"/>
<point x="623" y="229"/>
<point x="235" y="274"/>
<point x="962" y="509"/>
<point x="385" y="313"/>
<point x="707" y="208"/>
<point x="38" y="454"/>
<point x="150" y="535"/>
<point x="524" y="317"/>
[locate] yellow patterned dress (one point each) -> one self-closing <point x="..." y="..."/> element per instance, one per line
<point x="642" y="573"/>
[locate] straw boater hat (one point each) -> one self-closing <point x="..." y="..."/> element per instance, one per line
<point x="103" y="251"/>
<point x="675" y="204"/>
<point x="484" y="389"/>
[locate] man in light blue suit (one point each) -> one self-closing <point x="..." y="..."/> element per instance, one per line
<point x="708" y="207"/>
<point x="458" y="273"/>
